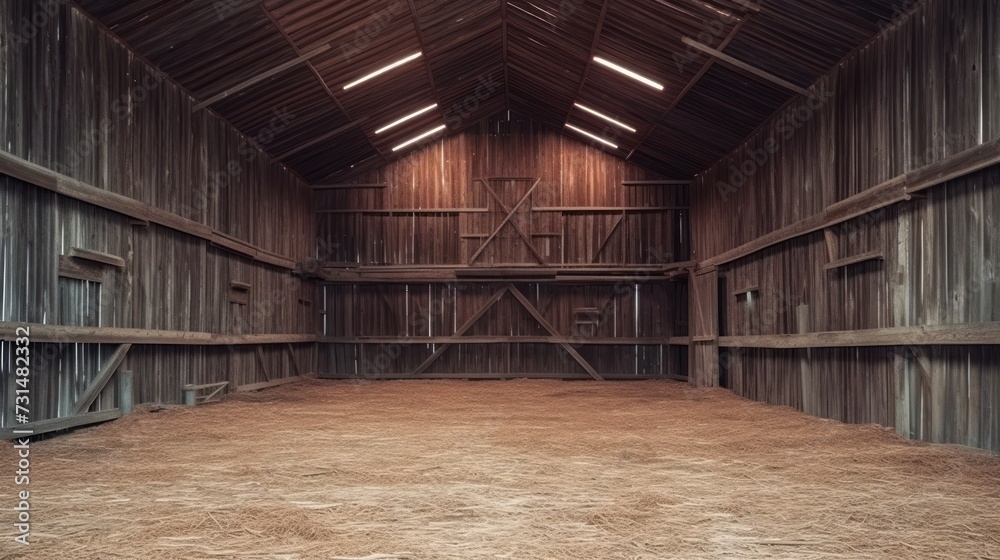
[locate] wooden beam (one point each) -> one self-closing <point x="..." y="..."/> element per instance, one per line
<point x="261" y="77"/>
<point x="325" y="136"/>
<point x="848" y="261"/>
<point x="105" y="335"/>
<point x="510" y="215"/>
<point x="461" y="330"/>
<point x="336" y="186"/>
<point x="508" y="375"/>
<point x="552" y="330"/>
<point x="423" y="48"/>
<point x="590" y="56"/>
<point x="753" y="70"/>
<point x="492" y="340"/>
<point x="259" y="351"/>
<point x="48" y="179"/>
<point x="971" y="334"/>
<point x="694" y="81"/>
<point x="97" y="256"/>
<point x="268" y="384"/>
<point x="608" y="209"/>
<point x="893" y="191"/>
<point x="374" y="211"/>
<point x="607" y="238"/>
<point x="665" y="182"/>
<point x="100" y="380"/>
<point x="55" y="424"/>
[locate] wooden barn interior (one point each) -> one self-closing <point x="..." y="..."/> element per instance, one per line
<point x="385" y="279"/>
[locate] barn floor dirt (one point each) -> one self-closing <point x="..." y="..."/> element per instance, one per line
<point x="516" y="469"/>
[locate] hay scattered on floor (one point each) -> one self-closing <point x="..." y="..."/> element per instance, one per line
<point x="518" y="469"/>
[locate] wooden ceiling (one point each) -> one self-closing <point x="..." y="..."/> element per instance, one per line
<point x="254" y="61"/>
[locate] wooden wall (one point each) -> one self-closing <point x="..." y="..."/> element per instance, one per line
<point x="98" y="120"/>
<point x="923" y="93"/>
<point x="580" y="215"/>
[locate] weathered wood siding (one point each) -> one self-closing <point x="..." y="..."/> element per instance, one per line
<point x="78" y="102"/>
<point x="927" y="89"/>
<point x="582" y="180"/>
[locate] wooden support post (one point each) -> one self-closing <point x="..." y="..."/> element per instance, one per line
<point x="126" y="394"/>
<point x="262" y="364"/>
<point x="261" y="77"/>
<point x="704" y="316"/>
<point x="100" y="380"/>
<point x="805" y="361"/>
<point x="294" y="361"/>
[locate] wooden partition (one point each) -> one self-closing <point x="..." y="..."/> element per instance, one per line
<point x="509" y="250"/>
<point x="134" y="227"/>
<point x="856" y="236"/>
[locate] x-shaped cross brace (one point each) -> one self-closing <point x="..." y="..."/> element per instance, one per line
<point x="510" y="214"/>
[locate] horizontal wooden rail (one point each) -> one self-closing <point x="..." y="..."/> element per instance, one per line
<point x="103" y="335"/>
<point x="404" y="211"/>
<point x="55" y="424"/>
<point x="606" y="209"/>
<point x="45" y="178"/>
<point x="518" y="375"/>
<point x="888" y="193"/>
<point x="580" y="341"/>
<point x="972" y="334"/>
<point x="555" y="273"/>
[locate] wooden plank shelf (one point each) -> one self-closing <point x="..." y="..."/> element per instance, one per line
<point x="848" y="261"/>
<point x="97" y="256"/>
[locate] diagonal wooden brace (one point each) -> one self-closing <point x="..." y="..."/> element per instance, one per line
<point x="520" y="232"/>
<point x="504" y="222"/>
<point x="552" y="331"/>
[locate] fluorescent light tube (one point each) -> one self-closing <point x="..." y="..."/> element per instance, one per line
<point x="627" y="72"/>
<point x="594" y="136"/>
<point x="383" y="70"/>
<point x="402" y="120"/>
<point x="419" y="138"/>
<point x="605" y="117"/>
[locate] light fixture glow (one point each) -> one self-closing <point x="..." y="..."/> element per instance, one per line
<point x="383" y="70"/>
<point x="402" y="120"/>
<point x="627" y="72"/>
<point x="605" y="117"/>
<point x="419" y="138"/>
<point x="594" y="136"/>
